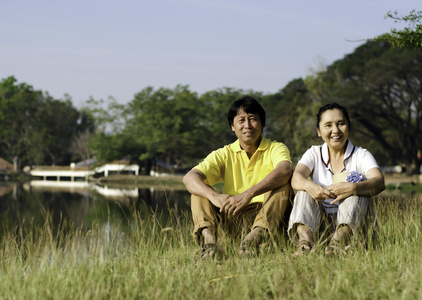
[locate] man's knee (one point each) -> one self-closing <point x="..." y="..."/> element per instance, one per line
<point x="283" y="193"/>
<point x="199" y="203"/>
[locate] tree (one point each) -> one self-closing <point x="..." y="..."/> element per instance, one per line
<point x="409" y="37"/>
<point x="35" y="128"/>
<point x="167" y="124"/>
<point x="289" y="119"/>
<point x="18" y="107"/>
<point x="57" y="120"/>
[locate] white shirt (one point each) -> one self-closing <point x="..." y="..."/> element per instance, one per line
<point x="317" y="160"/>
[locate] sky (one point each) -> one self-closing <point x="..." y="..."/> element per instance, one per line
<point x="103" y="49"/>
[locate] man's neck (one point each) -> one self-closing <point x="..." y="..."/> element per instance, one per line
<point x="250" y="149"/>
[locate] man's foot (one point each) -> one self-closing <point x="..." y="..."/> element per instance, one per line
<point x="250" y="245"/>
<point x="210" y="249"/>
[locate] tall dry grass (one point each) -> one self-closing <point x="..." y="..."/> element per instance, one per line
<point x="149" y="256"/>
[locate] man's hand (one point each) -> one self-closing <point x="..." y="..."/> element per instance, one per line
<point x="233" y="205"/>
<point x="219" y="199"/>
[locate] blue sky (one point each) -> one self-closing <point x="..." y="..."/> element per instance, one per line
<point x="117" y="48"/>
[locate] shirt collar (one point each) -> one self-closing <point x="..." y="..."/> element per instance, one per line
<point x="262" y="145"/>
<point x="350" y="148"/>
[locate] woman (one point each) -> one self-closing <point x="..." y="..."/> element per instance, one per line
<point x="344" y="202"/>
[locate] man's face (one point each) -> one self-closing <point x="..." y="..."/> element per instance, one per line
<point x="247" y="127"/>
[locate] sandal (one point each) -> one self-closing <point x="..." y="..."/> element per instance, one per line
<point x="208" y="250"/>
<point x="211" y="251"/>
<point x="249" y="248"/>
<point x="304" y="247"/>
<point x="334" y="248"/>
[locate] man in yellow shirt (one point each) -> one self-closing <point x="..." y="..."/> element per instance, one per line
<point x="256" y="174"/>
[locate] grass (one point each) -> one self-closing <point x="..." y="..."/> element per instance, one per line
<point x="407" y="188"/>
<point x="144" y="258"/>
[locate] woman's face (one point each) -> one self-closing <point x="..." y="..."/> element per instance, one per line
<point x="334" y="129"/>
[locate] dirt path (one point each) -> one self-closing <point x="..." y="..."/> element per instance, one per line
<point x="402" y="178"/>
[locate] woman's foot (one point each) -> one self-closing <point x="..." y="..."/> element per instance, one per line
<point x="303" y="248"/>
<point x="306" y="240"/>
<point x="340" y="242"/>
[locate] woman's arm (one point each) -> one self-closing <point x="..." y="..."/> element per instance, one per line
<point x="370" y="187"/>
<point x="300" y="182"/>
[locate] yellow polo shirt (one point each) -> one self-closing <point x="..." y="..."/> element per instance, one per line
<point x="232" y="166"/>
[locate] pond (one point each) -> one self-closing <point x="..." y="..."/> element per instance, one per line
<point x="82" y="204"/>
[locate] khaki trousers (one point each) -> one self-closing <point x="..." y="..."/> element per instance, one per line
<point x="269" y="215"/>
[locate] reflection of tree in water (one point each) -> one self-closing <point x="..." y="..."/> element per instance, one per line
<point x="26" y="209"/>
<point x="162" y="204"/>
<point x="162" y="199"/>
<point x="66" y="209"/>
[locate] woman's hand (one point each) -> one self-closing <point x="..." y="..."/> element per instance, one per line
<point x="342" y="190"/>
<point x="373" y="185"/>
<point x="300" y="182"/>
<point x="318" y="192"/>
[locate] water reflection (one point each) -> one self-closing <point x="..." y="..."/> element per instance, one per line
<point x="81" y="205"/>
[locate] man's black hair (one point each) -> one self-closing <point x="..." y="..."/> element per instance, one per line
<point x="250" y="105"/>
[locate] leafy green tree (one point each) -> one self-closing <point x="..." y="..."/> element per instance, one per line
<point x="164" y="125"/>
<point x="409" y="37"/>
<point x="35" y="128"/>
<point x="167" y="123"/>
<point x="18" y="107"/>
<point x="57" y="120"/>
<point x="289" y="119"/>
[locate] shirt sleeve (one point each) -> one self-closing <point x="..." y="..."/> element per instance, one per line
<point x="308" y="159"/>
<point x="213" y="167"/>
<point x="279" y="153"/>
<point x="366" y="161"/>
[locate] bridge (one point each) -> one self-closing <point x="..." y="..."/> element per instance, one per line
<point x="75" y="173"/>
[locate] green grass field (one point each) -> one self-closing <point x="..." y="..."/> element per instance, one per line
<point x="144" y="258"/>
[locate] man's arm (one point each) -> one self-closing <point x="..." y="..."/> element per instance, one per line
<point x="275" y="179"/>
<point x="194" y="182"/>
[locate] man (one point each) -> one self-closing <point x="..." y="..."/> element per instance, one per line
<point x="256" y="174"/>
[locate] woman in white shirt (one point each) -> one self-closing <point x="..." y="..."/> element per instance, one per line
<point x="343" y="178"/>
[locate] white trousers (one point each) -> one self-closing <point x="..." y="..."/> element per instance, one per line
<point x="351" y="211"/>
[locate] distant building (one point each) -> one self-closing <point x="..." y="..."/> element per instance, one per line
<point x="5" y="166"/>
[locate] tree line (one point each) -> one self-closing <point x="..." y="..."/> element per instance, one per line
<point x="175" y="127"/>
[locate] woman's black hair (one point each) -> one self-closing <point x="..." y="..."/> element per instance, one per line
<point x="250" y="105"/>
<point x="329" y="106"/>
